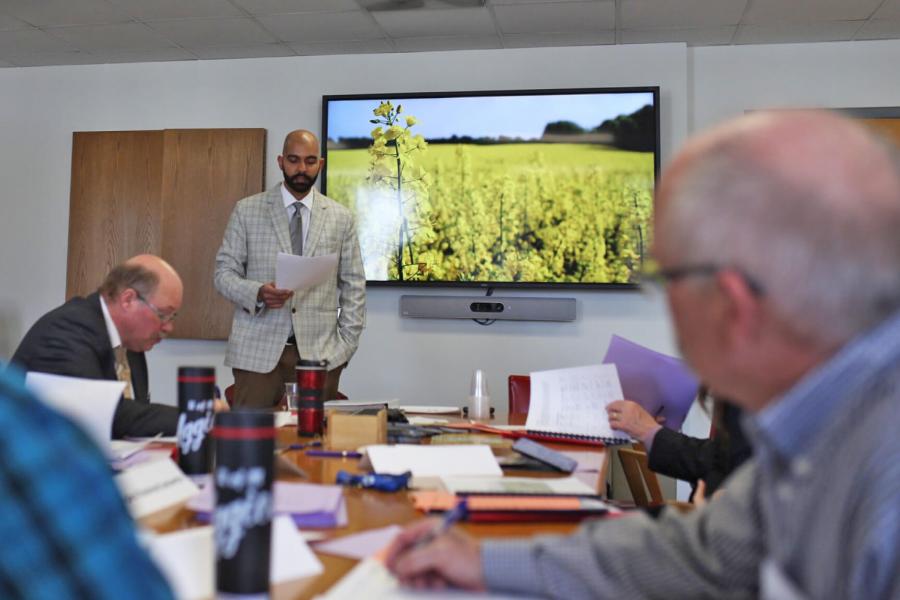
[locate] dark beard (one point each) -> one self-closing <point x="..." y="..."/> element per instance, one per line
<point x="299" y="183"/>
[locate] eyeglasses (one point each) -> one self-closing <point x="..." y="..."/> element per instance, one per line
<point x="658" y="278"/>
<point x="163" y="316"/>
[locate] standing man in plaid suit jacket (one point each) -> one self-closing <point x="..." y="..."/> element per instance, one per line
<point x="272" y="327"/>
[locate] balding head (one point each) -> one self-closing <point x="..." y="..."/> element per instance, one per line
<point x="143" y="295"/>
<point x="806" y="203"/>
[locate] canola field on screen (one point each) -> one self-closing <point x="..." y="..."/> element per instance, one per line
<point x="529" y="212"/>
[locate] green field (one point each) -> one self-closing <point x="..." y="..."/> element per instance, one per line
<point x="506" y="212"/>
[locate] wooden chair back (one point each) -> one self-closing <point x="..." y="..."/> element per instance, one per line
<point x="642" y="482"/>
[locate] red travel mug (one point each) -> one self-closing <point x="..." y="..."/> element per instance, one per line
<point x="310" y="396"/>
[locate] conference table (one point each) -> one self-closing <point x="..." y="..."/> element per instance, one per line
<point x="370" y="509"/>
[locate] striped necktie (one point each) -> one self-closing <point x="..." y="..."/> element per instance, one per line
<point x="123" y="371"/>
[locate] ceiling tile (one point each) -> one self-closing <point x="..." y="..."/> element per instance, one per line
<point x="256" y="51"/>
<point x="7" y="23"/>
<point x="125" y="36"/>
<point x="686" y="14"/>
<point x="795" y="33"/>
<point x="226" y="31"/>
<point x="571" y="17"/>
<point x="147" y="55"/>
<point x="888" y="10"/>
<point x="539" y="40"/>
<point x="702" y="36"/>
<point x="881" y="29"/>
<point x="322" y="27"/>
<point x="275" y="7"/>
<point x="55" y="13"/>
<point x="24" y="41"/>
<point x="776" y="12"/>
<point x="55" y="58"/>
<point x="428" y="23"/>
<point x="362" y="47"/>
<point x="177" y="9"/>
<point x="435" y="44"/>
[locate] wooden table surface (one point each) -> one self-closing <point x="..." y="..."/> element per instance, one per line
<point x="366" y="509"/>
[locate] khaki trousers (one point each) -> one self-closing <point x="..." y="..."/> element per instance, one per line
<point x="264" y="390"/>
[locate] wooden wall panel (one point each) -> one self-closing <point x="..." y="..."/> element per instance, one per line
<point x="205" y="172"/>
<point x="164" y="192"/>
<point x="114" y="205"/>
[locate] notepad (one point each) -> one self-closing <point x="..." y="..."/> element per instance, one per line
<point x="571" y="403"/>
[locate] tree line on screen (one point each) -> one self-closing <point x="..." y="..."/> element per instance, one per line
<point x="636" y="131"/>
<point x="578" y="213"/>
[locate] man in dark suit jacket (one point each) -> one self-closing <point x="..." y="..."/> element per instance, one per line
<point x="134" y="308"/>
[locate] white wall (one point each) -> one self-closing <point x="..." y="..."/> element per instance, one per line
<point x="421" y="361"/>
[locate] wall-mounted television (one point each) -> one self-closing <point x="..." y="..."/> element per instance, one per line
<point x="517" y="188"/>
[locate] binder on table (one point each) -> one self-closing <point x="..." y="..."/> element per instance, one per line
<point x="570" y="404"/>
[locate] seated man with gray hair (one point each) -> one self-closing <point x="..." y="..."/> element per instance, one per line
<point x="778" y="241"/>
<point x="105" y="335"/>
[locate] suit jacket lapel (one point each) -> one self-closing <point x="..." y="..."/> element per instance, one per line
<point x="279" y="218"/>
<point x="319" y="214"/>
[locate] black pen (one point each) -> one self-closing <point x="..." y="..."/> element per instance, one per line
<point x="334" y="453"/>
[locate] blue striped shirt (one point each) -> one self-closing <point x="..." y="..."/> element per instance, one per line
<point x="815" y="514"/>
<point x="64" y="528"/>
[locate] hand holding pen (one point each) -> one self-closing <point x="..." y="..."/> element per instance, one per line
<point x="431" y="554"/>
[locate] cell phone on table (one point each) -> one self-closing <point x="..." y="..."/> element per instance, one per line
<point x="542" y="453"/>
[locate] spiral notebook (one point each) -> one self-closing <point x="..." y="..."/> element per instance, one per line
<point x="571" y="403"/>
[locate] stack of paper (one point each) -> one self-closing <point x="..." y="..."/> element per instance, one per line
<point x="433" y="461"/>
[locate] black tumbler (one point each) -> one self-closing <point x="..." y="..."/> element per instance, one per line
<point x="311" y="376"/>
<point x="245" y="447"/>
<point x="196" y="397"/>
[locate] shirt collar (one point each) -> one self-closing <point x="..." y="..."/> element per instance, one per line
<point x="115" y="339"/>
<point x="289" y="199"/>
<point x="792" y="423"/>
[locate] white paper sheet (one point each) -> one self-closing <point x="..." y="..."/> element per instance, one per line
<point x="360" y="545"/>
<point x="90" y="403"/>
<point x="153" y="486"/>
<point x="573" y="401"/>
<point x="371" y="580"/>
<point x="433" y="461"/>
<point x="294" y="272"/>
<point x="187" y="558"/>
<point x="423" y="409"/>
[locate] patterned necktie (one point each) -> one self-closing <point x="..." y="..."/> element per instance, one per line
<point x="297" y="231"/>
<point x="123" y="371"/>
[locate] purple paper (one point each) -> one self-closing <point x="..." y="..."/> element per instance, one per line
<point x="660" y="383"/>
<point x="310" y="505"/>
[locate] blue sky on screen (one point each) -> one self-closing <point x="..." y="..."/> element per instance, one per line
<point x="487" y="116"/>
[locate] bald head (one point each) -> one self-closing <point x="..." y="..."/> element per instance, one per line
<point x="299" y="136"/>
<point x="807" y="203"/>
<point x="300" y="162"/>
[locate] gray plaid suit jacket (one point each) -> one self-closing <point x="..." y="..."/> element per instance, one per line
<point x="327" y="319"/>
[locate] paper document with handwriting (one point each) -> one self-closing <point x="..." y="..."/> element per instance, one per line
<point x="572" y="403"/>
<point x="294" y="272"/>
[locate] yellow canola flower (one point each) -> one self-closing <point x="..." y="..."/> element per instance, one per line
<point x="376" y="132"/>
<point x="393" y="132"/>
<point x="410" y="121"/>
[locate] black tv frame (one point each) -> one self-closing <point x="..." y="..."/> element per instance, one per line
<point x="491" y="285"/>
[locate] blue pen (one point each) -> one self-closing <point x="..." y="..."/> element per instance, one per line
<point x="334" y="453"/>
<point x="451" y="517"/>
